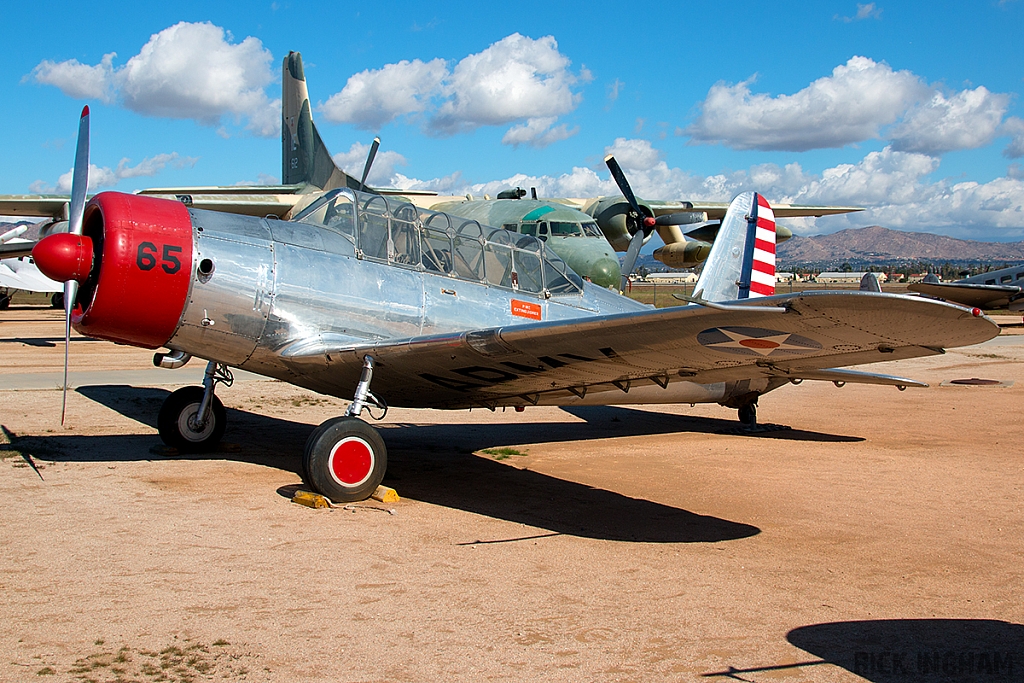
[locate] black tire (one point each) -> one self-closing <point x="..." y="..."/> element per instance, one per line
<point x="353" y="477"/>
<point x="57" y="300"/>
<point x="174" y="421"/>
<point x="748" y="414"/>
<point x="5" y="302"/>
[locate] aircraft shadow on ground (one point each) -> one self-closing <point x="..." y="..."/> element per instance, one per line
<point x="45" y="342"/>
<point x="886" y="651"/>
<point x="436" y="464"/>
<point x="648" y="422"/>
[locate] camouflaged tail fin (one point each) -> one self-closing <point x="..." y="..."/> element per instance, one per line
<point x="305" y="159"/>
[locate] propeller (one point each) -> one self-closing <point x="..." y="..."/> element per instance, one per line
<point x="79" y="188"/>
<point x="647" y="223"/>
<point x="369" y="162"/>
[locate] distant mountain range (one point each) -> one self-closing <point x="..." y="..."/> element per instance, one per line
<point x="876" y="245"/>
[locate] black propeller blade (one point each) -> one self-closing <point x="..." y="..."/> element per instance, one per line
<point x="645" y="223"/>
<point x="369" y="162"/>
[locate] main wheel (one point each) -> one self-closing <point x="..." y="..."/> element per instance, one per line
<point x="345" y="459"/>
<point x="177" y="421"/>
<point x="748" y="414"/>
<point x="57" y="300"/>
<point x="5" y="302"/>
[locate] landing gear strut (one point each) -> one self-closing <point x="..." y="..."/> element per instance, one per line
<point x="345" y="458"/>
<point x="192" y="419"/>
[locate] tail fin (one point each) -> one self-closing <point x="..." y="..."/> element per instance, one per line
<point x="304" y="157"/>
<point x="741" y="264"/>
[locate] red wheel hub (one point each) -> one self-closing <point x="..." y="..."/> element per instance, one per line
<point x="351" y="461"/>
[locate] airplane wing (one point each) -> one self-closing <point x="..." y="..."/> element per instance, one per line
<point x="251" y="200"/>
<point x="548" y="362"/>
<point x="968" y="294"/>
<point x="716" y="210"/>
<point x="33" y="204"/>
<point x="24" y="275"/>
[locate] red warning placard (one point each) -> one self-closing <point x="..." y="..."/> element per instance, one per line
<point x="525" y="309"/>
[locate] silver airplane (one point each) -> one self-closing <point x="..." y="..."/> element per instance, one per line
<point x="1003" y="288"/>
<point x="368" y="297"/>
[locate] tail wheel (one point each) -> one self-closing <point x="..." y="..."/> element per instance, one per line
<point x="177" y="421"/>
<point x="345" y="459"/>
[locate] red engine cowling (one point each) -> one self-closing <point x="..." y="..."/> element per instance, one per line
<point x="140" y="271"/>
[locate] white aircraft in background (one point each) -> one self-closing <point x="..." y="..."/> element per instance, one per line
<point x="1003" y="288"/>
<point x="21" y="273"/>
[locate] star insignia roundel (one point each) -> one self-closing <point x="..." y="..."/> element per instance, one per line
<point x="756" y="341"/>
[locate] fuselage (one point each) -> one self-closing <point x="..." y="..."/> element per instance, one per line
<point x="295" y="300"/>
<point x="571" y="234"/>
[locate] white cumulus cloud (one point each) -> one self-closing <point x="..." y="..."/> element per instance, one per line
<point x="374" y="97"/>
<point x="187" y="71"/>
<point x="1014" y="127"/>
<point x="538" y="133"/>
<point x="519" y="81"/>
<point x="966" y="120"/>
<point x="861" y="100"/>
<point x="849" y="106"/>
<point x="515" y="78"/>
<point x="78" y="80"/>
<point x="101" y="177"/>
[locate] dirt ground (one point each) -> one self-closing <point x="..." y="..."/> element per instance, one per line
<point x="880" y="538"/>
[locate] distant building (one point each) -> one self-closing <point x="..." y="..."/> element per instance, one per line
<point x="841" y="278"/>
<point x="675" y="278"/>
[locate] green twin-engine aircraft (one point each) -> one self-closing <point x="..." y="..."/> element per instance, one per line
<point x="571" y="234"/>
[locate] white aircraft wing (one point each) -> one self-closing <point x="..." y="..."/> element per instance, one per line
<point x="24" y="275"/>
<point x="548" y="362"/>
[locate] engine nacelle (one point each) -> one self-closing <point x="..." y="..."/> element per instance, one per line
<point x="683" y="254"/>
<point x="616" y="219"/>
<point x="135" y="281"/>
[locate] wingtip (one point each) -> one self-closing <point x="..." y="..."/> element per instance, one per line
<point x="85" y="111"/>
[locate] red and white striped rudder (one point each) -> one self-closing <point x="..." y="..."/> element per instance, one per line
<point x="762" y="273"/>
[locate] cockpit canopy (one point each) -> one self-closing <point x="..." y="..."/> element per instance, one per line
<point x="388" y="229"/>
<point x="544" y="229"/>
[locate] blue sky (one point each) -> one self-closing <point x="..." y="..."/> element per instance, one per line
<point x="911" y="109"/>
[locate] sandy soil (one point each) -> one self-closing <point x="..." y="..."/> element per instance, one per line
<point x="879" y="538"/>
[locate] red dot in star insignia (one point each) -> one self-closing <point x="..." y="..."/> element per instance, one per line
<point x="759" y="344"/>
